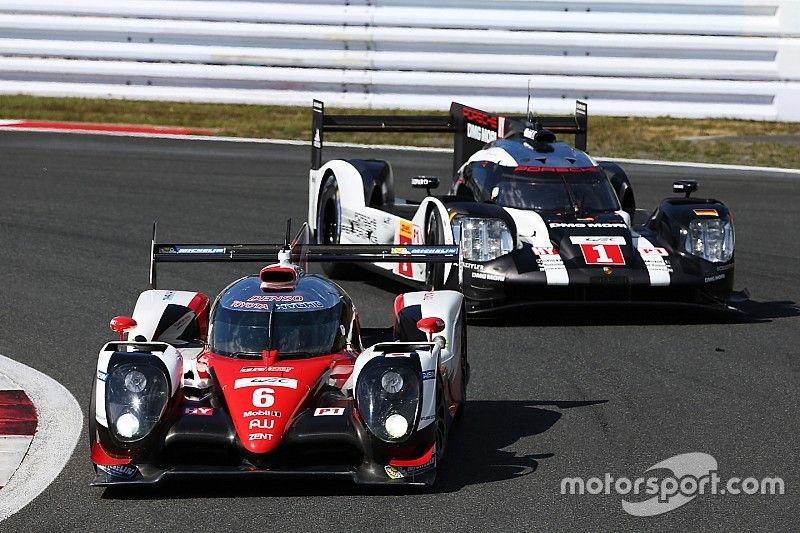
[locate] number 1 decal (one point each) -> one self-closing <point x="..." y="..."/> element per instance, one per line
<point x="602" y="254"/>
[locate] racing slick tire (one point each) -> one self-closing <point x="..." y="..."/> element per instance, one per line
<point x="329" y="214"/>
<point x="622" y="186"/>
<point x="465" y="370"/>
<point x="442" y="423"/>
<point x="434" y="234"/>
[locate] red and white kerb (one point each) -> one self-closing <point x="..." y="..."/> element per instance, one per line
<point x="18" y="423"/>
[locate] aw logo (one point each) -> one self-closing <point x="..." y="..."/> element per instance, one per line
<point x="688" y="470"/>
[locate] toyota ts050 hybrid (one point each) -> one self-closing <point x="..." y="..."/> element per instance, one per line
<point x="536" y="219"/>
<point x="273" y="378"/>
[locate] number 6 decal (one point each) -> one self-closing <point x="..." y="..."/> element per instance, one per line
<point x="263" y="397"/>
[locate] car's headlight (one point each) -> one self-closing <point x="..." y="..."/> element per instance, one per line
<point x="482" y="239"/>
<point x="711" y="239"/>
<point x="388" y="398"/>
<point x="136" y="396"/>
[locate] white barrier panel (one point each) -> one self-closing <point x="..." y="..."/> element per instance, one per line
<point x="776" y="17"/>
<point x="715" y="58"/>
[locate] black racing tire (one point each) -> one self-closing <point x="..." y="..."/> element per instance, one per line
<point x="465" y="369"/>
<point x="92" y="415"/>
<point x="622" y="186"/>
<point x="329" y="215"/>
<point x="442" y="423"/>
<point x="434" y="234"/>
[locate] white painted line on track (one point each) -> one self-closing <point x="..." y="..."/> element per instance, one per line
<point x="428" y="149"/>
<point x="60" y="422"/>
<point x="243" y="140"/>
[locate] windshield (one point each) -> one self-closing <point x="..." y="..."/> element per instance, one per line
<point x="585" y="193"/>
<point x="304" y="333"/>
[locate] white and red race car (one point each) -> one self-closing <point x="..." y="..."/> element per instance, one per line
<point x="276" y="377"/>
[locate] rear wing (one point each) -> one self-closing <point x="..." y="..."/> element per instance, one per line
<point x="301" y="253"/>
<point x="471" y="128"/>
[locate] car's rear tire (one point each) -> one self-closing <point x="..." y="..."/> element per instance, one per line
<point x="434" y="234"/>
<point x="329" y="216"/>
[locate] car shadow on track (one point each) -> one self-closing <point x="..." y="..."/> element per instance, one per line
<point x="743" y="310"/>
<point x="480" y="450"/>
<point x="764" y="311"/>
<point x="598" y="314"/>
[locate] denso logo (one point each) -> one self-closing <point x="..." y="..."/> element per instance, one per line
<point x="481" y="118"/>
<point x="247" y="369"/>
<point x="276" y="298"/>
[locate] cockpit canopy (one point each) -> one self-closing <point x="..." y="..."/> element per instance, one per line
<point x="311" y="320"/>
<point x="565" y="190"/>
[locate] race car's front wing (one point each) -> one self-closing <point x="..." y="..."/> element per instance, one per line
<point x="313" y="447"/>
<point x="519" y="279"/>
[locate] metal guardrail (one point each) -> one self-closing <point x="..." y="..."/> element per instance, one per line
<point x="737" y="58"/>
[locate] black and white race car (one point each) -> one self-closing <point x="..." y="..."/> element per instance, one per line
<point x="536" y="219"/>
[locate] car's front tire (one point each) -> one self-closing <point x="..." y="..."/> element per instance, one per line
<point x="434" y="234"/>
<point x="329" y="216"/>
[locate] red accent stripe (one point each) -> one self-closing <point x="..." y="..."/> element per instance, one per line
<point x="414" y="462"/>
<point x="199" y="305"/>
<point x="17" y="413"/>
<point x="113" y="128"/>
<point x="399" y="303"/>
<point x="101" y="457"/>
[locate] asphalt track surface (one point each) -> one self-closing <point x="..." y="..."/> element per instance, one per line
<point x="555" y="392"/>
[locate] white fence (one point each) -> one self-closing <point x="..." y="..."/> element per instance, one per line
<point x="702" y="58"/>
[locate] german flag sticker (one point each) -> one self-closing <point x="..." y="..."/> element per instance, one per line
<point x="706" y="212"/>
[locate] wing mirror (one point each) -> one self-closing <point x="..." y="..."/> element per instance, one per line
<point x="685" y="186"/>
<point x="430" y="326"/>
<point x="425" y="182"/>
<point x="640" y="218"/>
<point x="121" y="324"/>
